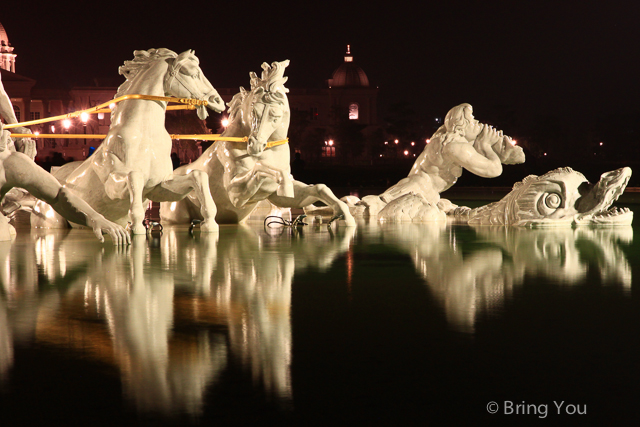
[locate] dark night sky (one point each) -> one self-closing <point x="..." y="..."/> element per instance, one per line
<point x="575" y="59"/>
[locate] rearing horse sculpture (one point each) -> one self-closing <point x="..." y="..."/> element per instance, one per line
<point x="133" y="163"/>
<point x="241" y="174"/>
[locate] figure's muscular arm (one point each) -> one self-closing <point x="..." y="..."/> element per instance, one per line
<point x="20" y="171"/>
<point x="479" y="157"/>
<point x="6" y="109"/>
<point x="25" y="145"/>
<point x="487" y="164"/>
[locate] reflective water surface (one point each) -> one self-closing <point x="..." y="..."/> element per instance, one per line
<point x="389" y="323"/>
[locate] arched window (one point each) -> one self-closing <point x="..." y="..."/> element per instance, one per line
<point x="353" y="111"/>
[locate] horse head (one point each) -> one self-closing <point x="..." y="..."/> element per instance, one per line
<point x="185" y="79"/>
<point x="269" y="107"/>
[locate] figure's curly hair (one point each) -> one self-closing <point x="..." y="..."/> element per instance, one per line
<point x="455" y="121"/>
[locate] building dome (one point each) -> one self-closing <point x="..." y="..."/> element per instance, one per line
<point x="349" y="74"/>
<point x="7" y="57"/>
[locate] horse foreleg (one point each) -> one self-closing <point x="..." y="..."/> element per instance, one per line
<point x="304" y="195"/>
<point x="177" y="187"/>
<point x="135" y="184"/>
<point x="243" y="186"/>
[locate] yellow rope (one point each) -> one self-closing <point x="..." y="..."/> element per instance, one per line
<point x="203" y="137"/>
<point x="189" y="104"/>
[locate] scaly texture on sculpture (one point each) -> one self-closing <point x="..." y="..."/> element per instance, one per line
<point x="562" y="197"/>
<point x="241" y="174"/>
<point x="461" y="143"/>
<point x="133" y="163"/>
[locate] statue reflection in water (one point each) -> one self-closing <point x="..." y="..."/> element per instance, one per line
<point x="471" y="279"/>
<point x="170" y="312"/>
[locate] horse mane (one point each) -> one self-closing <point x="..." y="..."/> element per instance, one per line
<point x="142" y="59"/>
<point x="269" y="87"/>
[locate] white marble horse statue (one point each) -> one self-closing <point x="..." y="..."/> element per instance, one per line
<point x="133" y="163"/>
<point x="241" y="174"/>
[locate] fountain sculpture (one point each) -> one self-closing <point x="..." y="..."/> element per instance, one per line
<point x="461" y="143"/>
<point x="133" y="164"/>
<point x="243" y="174"/>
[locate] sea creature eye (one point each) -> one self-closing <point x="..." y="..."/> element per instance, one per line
<point x="552" y="200"/>
<point x="548" y="203"/>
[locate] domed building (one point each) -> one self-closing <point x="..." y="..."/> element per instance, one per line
<point x="350" y="92"/>
<point x="349" y="74"/>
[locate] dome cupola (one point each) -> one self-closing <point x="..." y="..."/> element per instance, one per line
<point x="349" y="74"/>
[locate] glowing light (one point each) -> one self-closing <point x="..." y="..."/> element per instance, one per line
<point x="428" y="141"/>
<point x="396" y="141"/>
<point x="601" y="144"/>
<point x="413" y="143"/>
<point x="225" y="122"/>
<point x="53" y="129"/>
<point x="84" y="117"/>
<point x="66" y="123"/>
<point x="380" y="155"/>
<point x="100" y="116"/>
<point x="386" y="142"/>
<point x="36" y="133"/>
<point x="331" y="142"/>
<point x="112" y="105"/>
<point x="545" y="154"/>
<point x="513" y="142"/>
<point x="406" y="152"/>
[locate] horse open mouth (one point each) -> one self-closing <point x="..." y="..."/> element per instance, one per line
<point x="594" y="207"/>
<point x="214" y="102"/>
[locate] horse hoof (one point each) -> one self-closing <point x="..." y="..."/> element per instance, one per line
<point x="139" y="229"/>
<point x="349" y="221"/>
<point x="209" y="226"/>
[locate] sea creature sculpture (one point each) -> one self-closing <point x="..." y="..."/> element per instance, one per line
<point x="241" y="174"/>
<point x="561" y="197"/>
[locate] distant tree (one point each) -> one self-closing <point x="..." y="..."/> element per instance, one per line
<point x="298" y="128"/>
<point x="401" y="122"/>
<point x="349" y="139"/>
<point x="374" y="144"/>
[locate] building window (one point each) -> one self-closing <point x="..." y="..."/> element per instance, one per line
<point x="328" y="151"/>
<point x="16" y="110"/>
<point x="353" y="111"/>
<point x="35" y="115"/>
<point x="313" y="113"/>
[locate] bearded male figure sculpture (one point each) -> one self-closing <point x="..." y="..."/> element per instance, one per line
<point x="461" y="143"/>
